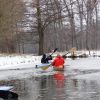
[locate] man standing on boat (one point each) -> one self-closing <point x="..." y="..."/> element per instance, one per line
<point x="58" y="63"/>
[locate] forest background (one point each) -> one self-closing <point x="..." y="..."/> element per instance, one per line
<point x="38" y="26"/>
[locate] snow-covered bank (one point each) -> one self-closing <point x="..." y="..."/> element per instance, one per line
<point x="29" y="61"/>
<point x="18" y="61"/>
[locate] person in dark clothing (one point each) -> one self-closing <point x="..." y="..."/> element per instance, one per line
<point x="45" y="59"/>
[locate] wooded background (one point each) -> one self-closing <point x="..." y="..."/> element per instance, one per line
<point x="39" y="26"/>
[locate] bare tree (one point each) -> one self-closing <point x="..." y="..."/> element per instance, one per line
<point x="9" y="13"/>
<point x="47" y="12"/>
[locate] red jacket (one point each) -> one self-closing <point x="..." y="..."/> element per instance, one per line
<point x="58" y="62"/>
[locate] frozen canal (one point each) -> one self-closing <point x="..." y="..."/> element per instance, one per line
<point x="79" y="81"/>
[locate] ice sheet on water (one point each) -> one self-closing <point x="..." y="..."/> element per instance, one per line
<point x="93" y="76"/>
<point x="84" y="63"/>
<point x="85" y="68"/>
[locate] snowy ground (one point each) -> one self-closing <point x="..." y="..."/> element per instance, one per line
<point x="18" y="61"/>
<point x="26" y="61"/>
<point x="17" y="66"/>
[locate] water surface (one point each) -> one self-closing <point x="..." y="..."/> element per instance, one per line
<point x="57" y="86"/>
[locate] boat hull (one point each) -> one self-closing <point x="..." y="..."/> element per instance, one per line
<point x="43" y="66"/>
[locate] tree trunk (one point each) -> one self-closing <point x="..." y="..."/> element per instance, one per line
<point x="40" y="30"/>
<point x="41" y="43"/>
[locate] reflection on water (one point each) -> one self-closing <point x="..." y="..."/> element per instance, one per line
<point x="52" y="87"/>
<point x="55" y="87"/>
<point x="59" y="79"/>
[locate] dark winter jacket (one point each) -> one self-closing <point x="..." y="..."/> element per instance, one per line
<point x="46" y="59"/>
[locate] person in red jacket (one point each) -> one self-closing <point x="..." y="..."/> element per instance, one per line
<point x="58" y="62"/>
